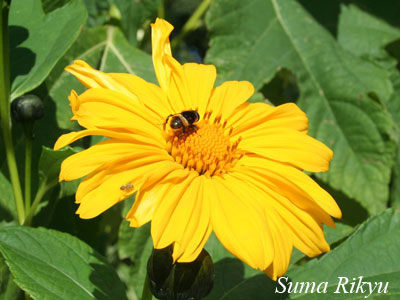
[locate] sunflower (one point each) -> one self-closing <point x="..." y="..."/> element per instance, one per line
<point x="237" y="171"/>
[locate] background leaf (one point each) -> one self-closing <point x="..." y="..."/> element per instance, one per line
<point x="340" y="92"/>
<point x="136" y="15"/>
<point x="53" y="265"/>
<point x="104" y="48"/>
<point x="37" y="40"/>
<point x="236" y="280"/>
<point x="367" y="36"/>
<point x="370" y="252"/>
<point x="134" y="249"/>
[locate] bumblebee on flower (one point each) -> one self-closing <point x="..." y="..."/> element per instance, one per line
<point x="228" y="166"/>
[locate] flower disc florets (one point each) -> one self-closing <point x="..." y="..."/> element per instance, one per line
<point x="206" y="148"/>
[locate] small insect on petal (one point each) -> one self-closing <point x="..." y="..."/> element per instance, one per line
<point x="127" y="187"/>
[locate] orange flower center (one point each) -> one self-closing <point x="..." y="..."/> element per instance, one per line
<point x="206" y="148"/>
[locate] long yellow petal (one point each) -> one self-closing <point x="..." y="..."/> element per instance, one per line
<point x="240" y="223"/>
<point x="102" y="189"/>
<point x="85" y="162"/>
<point x="116" y="112"/>
<point x="228" y="96"/>
<point x="302" y="226"/>
<point x="149" y="94"/>
<point x="160" y="32"/>
<point x="182" y="219"/>
<point x="288" y="146"/>
<point x="92" y="78"/>
<point x="147" y="197"/>
<point x="261" y="116"/>
<point x="287" y="178"/>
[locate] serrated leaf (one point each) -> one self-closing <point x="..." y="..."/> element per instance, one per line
<point x="104" y="48"/>
<point x="364" y="34"/>
<point x="371" y="252"/>
<point x="51" y="265"/>
<point x="340" y="92"/>
<point x="38" y="41"/>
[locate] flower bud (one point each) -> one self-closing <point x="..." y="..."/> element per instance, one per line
<point x="179" y="281"/>
<point x="27" y="108"/>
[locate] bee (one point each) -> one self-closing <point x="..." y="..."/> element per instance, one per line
<point x="183" y="120"/>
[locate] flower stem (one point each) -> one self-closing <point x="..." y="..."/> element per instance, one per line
<point x="161" y="10"/>
<point x="43" y="188"/>
<point x="146" y="293"/>
<point x="192" y="24"/>
<point x="28" y="165"/>
<point x="5" y="113"/>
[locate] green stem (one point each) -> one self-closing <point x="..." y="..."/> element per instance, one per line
<point x="161" y="10"/>
<point x="28" y="165"/>
<point x="191" y="24"/>
<point x="5" y="113"/>
<point x="146" y="293"/>
<point x="43" y="188"/>
<point x="12" y="290"/>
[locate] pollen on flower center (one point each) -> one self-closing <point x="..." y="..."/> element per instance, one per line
<point x="207" y="149"/>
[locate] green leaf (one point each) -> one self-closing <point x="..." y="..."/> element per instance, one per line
<point x="341" y="93"/>
<point x="104" y="48"/>
<point x="394" y="108"/>
<point x="367" y="36"/>
<point x="136" y="15"/>
<point x="372" y="252"/>
<point x="8" y="210"/>
<point x="52" y="265"/>
<point x="38" y="41"/>
<point x="134" y="245"/>
<point x="235" y="279"/>
<point x="332" y="235"/>
<point x="364" y="34"/>
<point x="50" y="164"/>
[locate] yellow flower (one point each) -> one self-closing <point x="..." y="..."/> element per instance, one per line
<point x="238" y="171"/>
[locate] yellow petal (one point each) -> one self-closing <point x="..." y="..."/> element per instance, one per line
<point x="303" y="226"/>
<point x="283" y="245"/>
<point x="147" y="197"/>
<point x="92" y="78"/>
<point x="191" y="86"/>
<point x="239" y="222"/>
<point x="148" y="93"/>
<point x="102" y="189"/>
<point x="261" y="116"/>
<point x="287" y="178"/>
<point x="71" y="137"/>
<point x="116" y="112"/>
<point x="182" y="218"/>
<point x="161" y="48"/>
<point x="289" y="146"/>
<point x="228" y="96"/>
<point x="85" y="162"/>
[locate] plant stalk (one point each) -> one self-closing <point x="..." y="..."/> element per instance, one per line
<point x="192" y="24"/>
<point x="5" y="113"/>
<point x="28" y="165"/>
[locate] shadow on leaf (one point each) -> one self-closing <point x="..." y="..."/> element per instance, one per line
<point x="231" y="283"/>
<point x="22" y="59"/>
